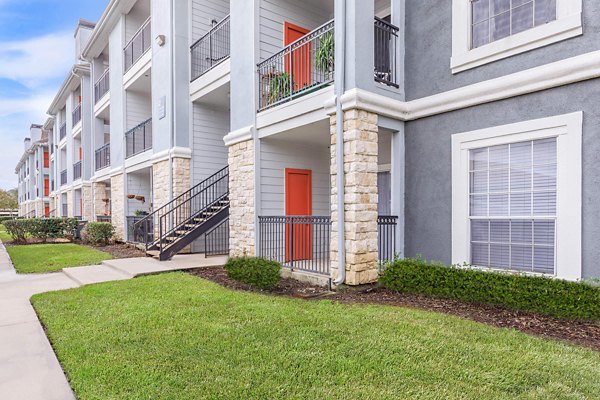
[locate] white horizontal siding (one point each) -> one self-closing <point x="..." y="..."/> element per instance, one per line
<point x="275" y="158"/>
<point x="203" y="12"/>
<point x="139" y="108"/>
<point x="273" y="13"/>
<point x="209" y="151"/>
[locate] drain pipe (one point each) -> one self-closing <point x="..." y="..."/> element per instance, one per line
<point x="340" y="50"/>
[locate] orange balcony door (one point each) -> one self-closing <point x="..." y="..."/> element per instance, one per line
<point x="46" y="160"/>
<point x="46" y="187"/>
<point x="298" y="202"/>
<point x="300" y="58"/>
<point x="47" y="211"/>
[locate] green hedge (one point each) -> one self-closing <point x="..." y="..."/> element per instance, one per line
<point x="553" y="297"/>
<point x="256" y="272"/>
<point x="3" y="219"/>
<point x="41" y="228"/>
<point x="98" y="233"/>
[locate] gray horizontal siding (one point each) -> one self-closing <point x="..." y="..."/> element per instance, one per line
<point x="202" y="14"/>
<point x="209" y="151"/>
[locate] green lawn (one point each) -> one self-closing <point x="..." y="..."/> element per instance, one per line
<point x="4" y="236"/>
<point x="175" y="336"/>
<point x="43" y="258"/>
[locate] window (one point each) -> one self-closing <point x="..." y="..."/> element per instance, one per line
<point x="512" y="192"/>
<point x="484" y="31"/>
<point x="516" y="197"/>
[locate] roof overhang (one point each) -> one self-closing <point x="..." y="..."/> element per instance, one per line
<point x="70" y="84"/>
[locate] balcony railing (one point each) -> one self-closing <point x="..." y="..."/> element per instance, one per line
<point x="65" y="210"/>
<point x="298" y="243"/>
<point x="103" y="157"/>
<point x="139" y="139"/>
<point x="300" y="68"/>
<point x="211" y="49"/>
<point x="63" y="177"/>
<point x="136" y="233"/>
<point x="386" y="43"/>
<point x="102" y="86"/>
<point x="77" y="170"/>
<point x="77" y="115"/>
<point x="138" y="45"/>
<point x="63" y="131"/>
<point x="386" y="229"/>
<point x="104" y="218"/>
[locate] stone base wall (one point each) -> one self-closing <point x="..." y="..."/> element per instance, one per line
<point x="242" y="209"/>
<point x="86" y="201"/>
<point x="360" y="197"/>
<point x="99" y="193"/>
<point x="161" y="176"/>
<point x="118" y="206"/>
<point x="70" y="203"/>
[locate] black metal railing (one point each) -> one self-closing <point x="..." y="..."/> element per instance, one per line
<point x="104" y="218"/>
<point x="102" y="156"/>
<point x="138" y="139"/>
<point x="63" y="177"/>
<point x="170" y="217"/>
<point x="216" y="241"/>
<point x="300" y="68"/>
<point x="65" y="210"/>
<point x="386" y="230"/>
<point x="138" y="233"/>
<point x="102" y="86"/>
<point x="139" y="44"/>
<point x="77" y="170"/>
<point x="386" y="42"/>
<point x="63" y="131"/>
<point x="211" y="49"/>
<point x="299" y="243"/>
<point x="76" y="114"/>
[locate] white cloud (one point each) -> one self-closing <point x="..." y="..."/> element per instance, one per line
<point x="33" y="61"/>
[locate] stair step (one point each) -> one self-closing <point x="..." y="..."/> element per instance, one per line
<point x="153" y="253"/>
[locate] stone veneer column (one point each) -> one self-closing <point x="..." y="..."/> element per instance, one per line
<point x="70" y="199"/>
<point x="99" y="193"/>
<point x="160" y="180"/>
<point x="360" y="197"/>
<point x="117" y="199"/>
<point x="241" y="196"/>
<point x="87" y="213"/>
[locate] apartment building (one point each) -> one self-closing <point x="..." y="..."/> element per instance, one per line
<point x="33" y="172"/>
<point x="332" y="135"/>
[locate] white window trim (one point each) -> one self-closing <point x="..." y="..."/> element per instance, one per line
<point x="568" y="129"/>
<point x="568" y="24"/>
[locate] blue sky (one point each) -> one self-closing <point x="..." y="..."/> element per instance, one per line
<point x="36" y="52"/>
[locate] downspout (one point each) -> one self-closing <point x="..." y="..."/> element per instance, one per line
<point x="339" y="143"/>
<point x="172" y="137"/>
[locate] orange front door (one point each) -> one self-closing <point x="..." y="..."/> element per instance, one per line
<point x="47" y="211"/>
<point x="298" y="202"/>
<point x="300" y="58"/>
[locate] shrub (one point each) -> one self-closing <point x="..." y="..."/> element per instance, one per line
<point x="256" y="272"/>
<point x="18" y="229"/>
<point x="3" y="219"/>
<point x="553" y="297"/>
<point x="98" y="233"/>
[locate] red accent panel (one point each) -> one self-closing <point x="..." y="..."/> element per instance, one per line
<point x="46" y="160"/>
<point x="301" y="58"/>
<point x="298" y="202"/>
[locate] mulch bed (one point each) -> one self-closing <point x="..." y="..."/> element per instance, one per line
<point x="121" y="250"/>
<point x="577" y="332"/>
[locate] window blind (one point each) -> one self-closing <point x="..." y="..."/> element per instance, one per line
<point x="493" y="20"/>
<point x="512" y="191"/>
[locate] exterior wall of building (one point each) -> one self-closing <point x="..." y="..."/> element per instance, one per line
<point x="203" y="12"/>
<point x="428" y="55"/>
<point x="209" y="153"/>
<point x="428" y="165"/>
<point x="242" y="214"/>
<point x="118" y="205"/>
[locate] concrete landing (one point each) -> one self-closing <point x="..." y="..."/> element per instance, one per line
<point x="147" y="266"/>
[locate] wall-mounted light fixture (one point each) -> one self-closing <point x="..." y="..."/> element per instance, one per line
<point x="161" y="40"/>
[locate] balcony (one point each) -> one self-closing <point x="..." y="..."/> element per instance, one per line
<point x="139" y="139"/>
<point x="137" y="46"/>
<point x="103" y="157"/>
<point x="386" y="234"/>
<point x="302" y="67"/>
<point x="77" y="170"/>
<point x="63" y="131"/>
<point x="211" y="49"/>
<point x="386" y="42"/>
<point x="77" y="115"/>
<point x="102" y="86"/>
<point x="63" y="177"/>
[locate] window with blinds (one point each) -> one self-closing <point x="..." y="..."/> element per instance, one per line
<point x="512" y="191"/>
<point x="493" y="20"/>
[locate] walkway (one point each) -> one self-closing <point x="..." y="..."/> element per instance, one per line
<point x="29" y="369"/>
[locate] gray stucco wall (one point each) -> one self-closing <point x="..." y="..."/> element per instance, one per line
<point x="429" y="49"/>
<point x="428" y="166"/>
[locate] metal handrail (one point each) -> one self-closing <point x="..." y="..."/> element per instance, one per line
<point x="211" y="49"/>
<point x="62" y="130"/>
<point x="102" y="85"/>
<point x="143" y="34"/>
<point x="386" y="38"/>
<point x="77" y="170"/>
<point x="63" y="177"/>
<point x="155" y="217"/>
<point x="102" y="157"/>
<point x="301" y="67"/>
<point x="76" y="114"/>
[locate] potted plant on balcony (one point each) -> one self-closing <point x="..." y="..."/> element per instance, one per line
<point x="325" y="55"/>
<point x="279" y="87"/>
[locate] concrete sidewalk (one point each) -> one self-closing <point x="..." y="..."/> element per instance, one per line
<point x="29" y="369"/>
